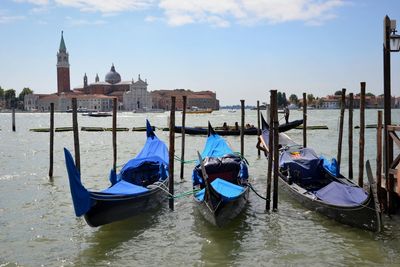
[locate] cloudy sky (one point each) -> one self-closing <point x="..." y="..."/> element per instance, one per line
<point x="238" y="48"/>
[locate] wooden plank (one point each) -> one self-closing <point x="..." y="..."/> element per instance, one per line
<point x="395" y="138"/>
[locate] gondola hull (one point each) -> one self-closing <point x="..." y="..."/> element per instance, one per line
<point x="106" y="211"/>
<point x="225" y="212"/>
<point x="361" y="216"/>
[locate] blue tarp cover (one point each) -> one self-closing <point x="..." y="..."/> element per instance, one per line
<point x="154" y="150"/>
<point x="216" y="147"/>
<point x="302" y="163"/>
<point x="343" y="195"/>
<point x="331" y="166"/>
<point x="125" y="188"/>
<point x="227" y="190"/>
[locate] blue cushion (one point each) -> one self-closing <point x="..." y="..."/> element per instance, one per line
<point x="124" y="188"/>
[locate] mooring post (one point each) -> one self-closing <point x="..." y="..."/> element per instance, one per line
<point x="76" y="134"/>
<point x="388" y="159"/>
<point x="242" y="129"/>
<point x="258" y="125"/>
<point x="171" y="152"/>
<point x="183" y="136"/>
<point x="114" y="133"/>
<point x="274" y="110"/>
<point x="341" y="121"/>
<point x="379" y="151"/>
<point x="13" y="116"/>
<point x="304" y="120"/>
<point x="51" y="139"/>
<point x="351" y="107"/>
<point x="362" y="133"/>
<point x="270" y="119"/>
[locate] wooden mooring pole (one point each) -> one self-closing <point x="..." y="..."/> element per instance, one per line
<point x="342" y="108"/>
<point x="51" y="139"/>
<point x="274" y="110"/>
<point x="258" y="125"/>
<point x="379" y="152"/>
<point x="13" y="116"/>
<point x="171" y="152"/>
<point x="351" y="108"/>
<point x="242" y="128"/>
<point x="76" y="134"/>
<point x="183" y="137"/>
<point x="114" y="133"/>
<point x="362" y="134"/>
<point x="304" y="120"/>
<point x="270" y="119"/>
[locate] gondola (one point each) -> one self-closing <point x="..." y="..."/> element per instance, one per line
<point x="317" y="184"/>
<point x="232" y="130"/>
<point x="222" y="178"/>
<point x="139" y="186"/>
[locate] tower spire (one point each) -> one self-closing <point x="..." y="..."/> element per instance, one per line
<point x="63" y="48"/>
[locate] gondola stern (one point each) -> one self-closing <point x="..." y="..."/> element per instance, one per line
<point x="80" y="195"/>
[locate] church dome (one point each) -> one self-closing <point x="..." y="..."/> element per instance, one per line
<point x="112" y="76"/>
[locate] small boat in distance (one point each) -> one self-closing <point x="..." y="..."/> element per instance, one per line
<point x="98" y="114"/>
<point x="139" y="186"/>
<point x="196" y="110"/>
<point x="317" y="184"/>
<point x="222" y="178"/>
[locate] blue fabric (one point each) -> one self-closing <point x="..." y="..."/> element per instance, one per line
<point x="331" y="166"/>
<point x="302" y="163"/>
<point x="80" y="196"/>
<point x="112" y="177"/>
<point x="227" y="190"/>
<point x="154" y="150"/>
<point x="343" y="195"/>
<point x="125" y="188"/>
<point x="216" y="147"/>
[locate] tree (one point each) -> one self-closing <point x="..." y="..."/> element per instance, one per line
<point x="310" y="99"/>
<point x="294" y="99"/>
<point x="338" y="92"/>
<point x="1" y="92"/>
<point x="9" y="97"/>
<point x="25" y="91"/>
<point x="281" y="99"/>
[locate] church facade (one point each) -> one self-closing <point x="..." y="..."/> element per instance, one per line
<point x="96" y="96"/>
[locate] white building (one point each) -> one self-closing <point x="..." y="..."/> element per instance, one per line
<point x="137" y="98"/>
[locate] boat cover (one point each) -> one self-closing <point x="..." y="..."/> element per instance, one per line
<point x="342" y="195"/>
<point x="302" y="163"/>
<point x="154" y="150"/>
<point x="125" y="188"/>
<point x="331" y="166"/>
<point x="227" y="190"/>
<point x="216" y="147"/>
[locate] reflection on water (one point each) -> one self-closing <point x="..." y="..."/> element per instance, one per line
<point x="38" y="225"/>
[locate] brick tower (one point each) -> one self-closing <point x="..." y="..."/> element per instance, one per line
<point x="63" y="82"/>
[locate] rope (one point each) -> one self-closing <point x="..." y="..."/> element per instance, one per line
<point x="184" y="194"/>
<point x="184" y="161"/>
<point x="252" y="188"/>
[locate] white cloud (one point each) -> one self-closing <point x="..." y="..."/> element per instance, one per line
<point x="8" y="19"/>
<point x="221" y="12"/>
<point x="106" y="6"/>
<point x="82" y="22"/>
<point x="35" y="2"/>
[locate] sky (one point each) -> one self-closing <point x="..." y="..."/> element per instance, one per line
<point x="240" y="49"/>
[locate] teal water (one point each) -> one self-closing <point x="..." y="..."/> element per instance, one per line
<point x="38" y="226"/>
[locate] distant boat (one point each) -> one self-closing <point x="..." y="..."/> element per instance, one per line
<point x="146" y="110"/>
<point x="196" y="110"/>
<point x="98" y="114"/>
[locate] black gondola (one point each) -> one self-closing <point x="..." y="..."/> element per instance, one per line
<point x="317" y="184"/>
<point x="222" y="178"/>
<point x="232" y="130"/>
<point x="139" y="186"/>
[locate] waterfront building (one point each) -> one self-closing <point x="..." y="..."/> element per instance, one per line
<point x="137" y="98"/>
<point x="203" y="99"/>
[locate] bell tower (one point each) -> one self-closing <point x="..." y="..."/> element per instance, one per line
<point x="63" y="80"/>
